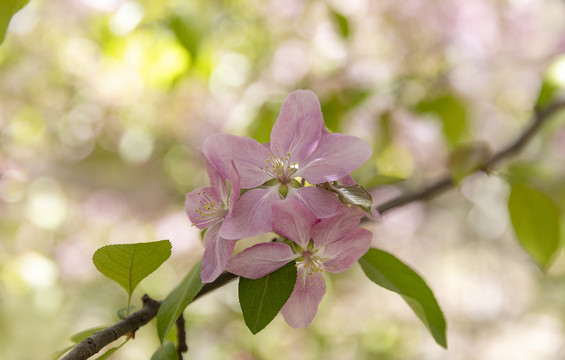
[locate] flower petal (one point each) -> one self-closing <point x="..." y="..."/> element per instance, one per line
<point x="336" y="227"/>
<point x="344" y="253"/>
<point x="260" y="260"/>
<point x="248" y="155"/>
<point x="302" y="306"/>
<point x="299" y="125"/>
<point x="217" y="254"/>
<point x="293" y="220"/>
<point x="193" y="206"/>
<point x="322" y="202"/>
<point x="336" y="156"/>
<point x="251" y="214"/>
<point x="217" y="182"/>
<point x="235" y="186"/>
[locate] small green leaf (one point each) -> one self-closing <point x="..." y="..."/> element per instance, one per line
<point x="353" y="195"/>
<point x="167" y="352"/>
<point x="386" y="270"/>
<point x="283" y="190"/>
<point x="8" y="8"/>
<point x="468" y="159"/>
<point x="57" y="354"/>
<point x="453" y="113"/>
<point x="178" y="300"/>
<point x="262" y="299"/>
<point x="80" y="336"/>
<point x="108" y="353"/>
<point x="535" y="219"/>
<point x="342" y="23"/>
<point x="124" y="312"/>
<point x="128" y="264"/>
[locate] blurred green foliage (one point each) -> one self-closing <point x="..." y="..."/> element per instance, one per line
<point x="103" y="105"/>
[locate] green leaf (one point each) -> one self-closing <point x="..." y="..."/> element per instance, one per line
<point x="178" y="300"/>
<point x="80" y="336"/>
<point x="386" y="270"/>
<point x="128" y="264"/>
<point x="468" y="159"/>
<point x="124" y="312"/>
<point x="342" y="23"/>
<point x="453" y="114"/>
<point x="108" y="353"/>
<point x="57" y="354"/>
<point x="353" y="195"/>
<point x="261" y="299"/>
<point x="167" y="352"/>
<point x="8" y="8"/>
<point x="535" y="219"/>
<point x="547" y="92"/>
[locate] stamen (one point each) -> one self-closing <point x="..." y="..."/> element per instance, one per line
<point x="210" y="211"/>
<point x="280" y="167"/>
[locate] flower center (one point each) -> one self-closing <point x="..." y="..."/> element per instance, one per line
<point x="311" y="263"/>
<point x="209" y="209"/>
<point x="280" y="167"/>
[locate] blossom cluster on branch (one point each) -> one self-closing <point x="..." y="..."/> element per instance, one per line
<point x="257" y="188"/>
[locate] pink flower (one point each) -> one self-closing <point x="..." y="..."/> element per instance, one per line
<point x="300" y="148"/>
<point x="333" y="244"/>
<point x="207" y="208"/>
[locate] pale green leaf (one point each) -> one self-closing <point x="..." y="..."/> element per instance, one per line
<point x="535" y="219"/>
<point x="8" y="8"/>
<point x="386" y="270"/>
<point x="80" y="336"/>
<point x="167" y="352"/>
<point x="58" y="354"/>
<point x="111" y="351"/>
<point x="128" y="264"/>
<point x="177" y="300"/>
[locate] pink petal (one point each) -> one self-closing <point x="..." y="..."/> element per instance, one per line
<point x="347" y="180"/>
<point x="337" y="226"/>
<point x="248" y="155"/>
<point x="298" y="126"/>
<point x="235" y="186"/>
<point x="251" y="214"/>
<point x="217" y="254"/>
<point x="216" y="180"/>
<point x="260" y="260"/>
<point x="194" y="203"/>
<point x="293" y="220"/>
<point x="302" y="306"/>
<point x="322" y="202"/>
<point x="344" y="253"/>
<point x="336" y="156"/>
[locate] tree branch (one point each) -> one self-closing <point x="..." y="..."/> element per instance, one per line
<point x="130" y="324"/>
<point x="539" y="117"/>
<point x="93" y="344"/>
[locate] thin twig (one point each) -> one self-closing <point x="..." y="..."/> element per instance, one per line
<point x="539" y="117"/>
<point x="93" y="344"/>
<point x="130" y="324"/>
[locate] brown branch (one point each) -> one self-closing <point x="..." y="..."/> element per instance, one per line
<point x="130" y="324"/>
<point x="539" y="117"/>
<point x="93" y="344"/>
<point x="182" y="347"/>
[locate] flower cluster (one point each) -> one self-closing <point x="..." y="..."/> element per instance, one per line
<point x="317" y="231"/>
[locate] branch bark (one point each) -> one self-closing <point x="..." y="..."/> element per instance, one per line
<point x="130" y="324"/>
<point x="539" y="117"/>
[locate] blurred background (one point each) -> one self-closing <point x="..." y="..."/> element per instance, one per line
<point x="103" y="104"/>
